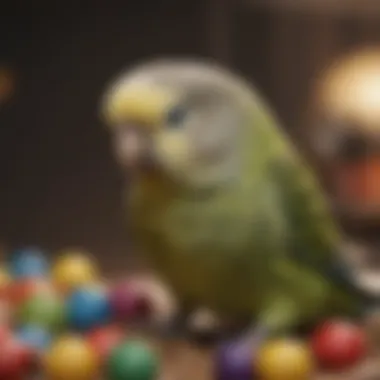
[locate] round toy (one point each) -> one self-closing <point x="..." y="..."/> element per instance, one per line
<point x="15" y="360"/>
<point x="128" y="303"/>
<point x="88" y="308"/>
<point x="284" y="360"/>
<point x="132" y="360"/>
<point x="28" y="262"/>
<point x="34" y="337"/>
<point x="339" y="344"/>
<point x="73" y="269"/>
<point x="104" y="339"/>
<point x="47" y="311"/>
<point x="71" y="358"/>
<point x="234" y="361"/>
<point x="20" y="291"/>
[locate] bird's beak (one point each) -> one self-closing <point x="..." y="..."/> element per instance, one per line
<point x="145" y="105"/>
<point x="134" y="112"/>
<point x="133" y="147"/>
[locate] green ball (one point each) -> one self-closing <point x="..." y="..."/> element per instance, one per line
<point x="47" y="311"/>
<point x="132" y="360"/>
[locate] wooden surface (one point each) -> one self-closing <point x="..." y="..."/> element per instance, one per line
<point x="185" y="360"/>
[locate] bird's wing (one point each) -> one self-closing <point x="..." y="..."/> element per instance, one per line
<point x="314" y="237"/>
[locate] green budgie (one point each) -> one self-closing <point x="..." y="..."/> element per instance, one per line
<point x="220" y="201"/>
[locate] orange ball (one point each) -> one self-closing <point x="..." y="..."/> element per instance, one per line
<point x="285" y="360"/>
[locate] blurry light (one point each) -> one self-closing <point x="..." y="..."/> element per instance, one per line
<point x="6" y="84"/>
<point x="350" y="90"/>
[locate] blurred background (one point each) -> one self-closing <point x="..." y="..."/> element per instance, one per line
<point x="316" y="61"/>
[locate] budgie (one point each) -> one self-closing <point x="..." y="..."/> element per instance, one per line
<point x="221" y="202"/>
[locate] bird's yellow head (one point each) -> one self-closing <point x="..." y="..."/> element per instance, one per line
<point x="176" y="118"/>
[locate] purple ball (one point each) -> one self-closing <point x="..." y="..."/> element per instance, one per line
<point x="128" y="304"/>
<point x="234" y="361"/>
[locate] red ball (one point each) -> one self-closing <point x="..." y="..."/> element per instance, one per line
<point x="27" y="355"/>
<point x="339" y="344"/>
<point x="15" y="360"/>
<point x="104" y="339"/>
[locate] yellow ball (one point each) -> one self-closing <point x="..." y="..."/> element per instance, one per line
<point x="71" y="358"/>
<point x="285" y="360"/>
<point x="72" y="270"/>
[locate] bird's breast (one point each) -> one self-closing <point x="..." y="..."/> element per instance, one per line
<point x="204" y="250"/>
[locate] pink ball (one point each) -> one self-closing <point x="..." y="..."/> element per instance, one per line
<point x="129" y="303"/>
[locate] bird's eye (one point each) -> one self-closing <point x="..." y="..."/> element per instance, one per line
<point x="176" y="116"/>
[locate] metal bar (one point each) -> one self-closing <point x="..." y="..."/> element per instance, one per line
<point x="220" y="19"/>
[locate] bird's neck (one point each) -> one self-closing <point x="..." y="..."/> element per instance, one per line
<point x="158" y="188"/>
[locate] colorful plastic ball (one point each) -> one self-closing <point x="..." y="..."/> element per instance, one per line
<point x="34" y="337"/>
<point x="15" y="360"/>
<point x="28" y="262"/>
<point x="285" y="360"/>
<point x="72" y="270"/>
<point x="128" y="303"/>
<point x="132" y="360"/>
<point x="104" y="339"/>
<point x="234" y="361"/>
<point x="71" y="358"/>
<point x="339" y="344"/>
<point x="88" y="308"/>
<point x="47" y="311"/>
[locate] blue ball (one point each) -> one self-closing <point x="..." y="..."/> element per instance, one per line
<point x="35" y="337"/>
<point x="28" y="262"/>
<point x="88" y="308"/>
